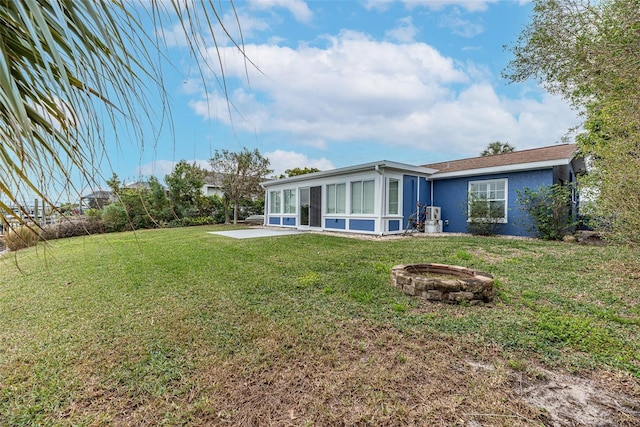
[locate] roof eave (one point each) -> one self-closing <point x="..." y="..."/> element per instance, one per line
<point x="502" y="169"/>
<point x="384" y="164"/>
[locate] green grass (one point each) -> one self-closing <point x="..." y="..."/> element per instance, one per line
<point x="96" y="329"/>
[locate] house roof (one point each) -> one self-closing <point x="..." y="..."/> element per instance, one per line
<point x="213" y="179"/>
<point x="99" y="194"/>
<point x="537" y="158"/>
<point x="382" y="164"/>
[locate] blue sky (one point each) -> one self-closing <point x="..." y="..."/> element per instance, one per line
<point x="347" y="82"/>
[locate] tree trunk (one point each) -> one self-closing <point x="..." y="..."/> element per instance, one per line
<point x="235" y="212"/>
<point x="227" y="220"/>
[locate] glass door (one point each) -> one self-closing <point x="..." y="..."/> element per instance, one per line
<point x="304" y="206"/>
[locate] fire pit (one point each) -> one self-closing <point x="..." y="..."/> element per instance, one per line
<point x="447" y="283"/>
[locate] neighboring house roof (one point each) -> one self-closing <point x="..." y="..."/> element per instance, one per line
<point x="138" y="185"/>
<point x="382" y="164"/>
<point x="213" y="179"/>
<point x="537" y="158"/>
<point x="98" y="194"/>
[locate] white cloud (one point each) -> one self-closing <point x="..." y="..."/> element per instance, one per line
<point x="161" y="168"/>
<point x="461" y="27"/>
<point x="298" y="8"/>
<point x="281" y="160"/>
<point x="356" y="89"/>
<point x="377" y="5"/>
<point x="469" y="5"/>
<point x="404" y="32"/>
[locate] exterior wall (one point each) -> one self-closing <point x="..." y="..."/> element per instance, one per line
<point x="379" y="222"/>
<point x="211" y="190"/>
<point x="415" y="189"/>
<point x="450" y="195"/>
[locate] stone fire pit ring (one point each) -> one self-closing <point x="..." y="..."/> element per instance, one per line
<point x="446" y="283"/>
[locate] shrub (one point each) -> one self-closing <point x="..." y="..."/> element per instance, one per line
<point x="22" y="236"/>
<point x="71" y="227"/>
<point x="549" y="208"/>
<point x="483" y="218"/>
<point x="114" y="217"/>
<point x="192" y="221"/>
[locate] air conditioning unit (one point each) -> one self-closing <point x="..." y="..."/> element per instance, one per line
<point x="433" y="213"/>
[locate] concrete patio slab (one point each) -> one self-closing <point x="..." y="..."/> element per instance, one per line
<point x="252" y="233"/>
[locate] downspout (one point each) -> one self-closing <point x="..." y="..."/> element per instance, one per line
<point x="382" y="198"/>
<point x="432" y="203"/>
<point x="266" y="206"/>
<point x="418" y="195"/>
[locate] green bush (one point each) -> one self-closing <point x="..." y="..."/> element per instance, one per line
<point x="192" y="221"/>
<point x="114" y="217"/>
<point x="483" y="218"/>
<point x="550" y="211"/>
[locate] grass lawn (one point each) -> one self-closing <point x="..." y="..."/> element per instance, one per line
<point x="181" y="327"/>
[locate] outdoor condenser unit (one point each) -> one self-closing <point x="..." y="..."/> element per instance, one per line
<point x="433" y="213"/>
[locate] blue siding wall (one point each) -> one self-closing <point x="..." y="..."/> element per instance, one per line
<point x="362" y="224"/>
<point x="450" y="195"/>
<point x="337" y="223"/>
<point x="274" y="220"/>
<point x="394" y="225"/>
<point x="425" y="192"/>
<point x="409" y="196"/>
<point x="410" y="190"/>
<point x="288" y="221"/>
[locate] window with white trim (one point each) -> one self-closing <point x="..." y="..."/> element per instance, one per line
<point x="289" y="201"/>
<point x="337" y="198"/>
<point x="274" y="202"/>
<point x="393" y="196"/>
<point x="489" y="199"/>
<point x="362" y="197"/>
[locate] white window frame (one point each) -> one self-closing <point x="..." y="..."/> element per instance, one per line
<point x="489" y="198"/>
<point x="360" y="205"/>
<point x="390" y="201"/>
<point x="289" y="199"/>
<point x="336" y="209"/>
<point x="275" y="202"/>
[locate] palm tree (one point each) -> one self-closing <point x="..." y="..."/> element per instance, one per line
<point x="71" y="69"/>
<point x="497" y="147"/>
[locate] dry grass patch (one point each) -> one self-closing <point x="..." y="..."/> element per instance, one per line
<point x="364" y="375"/>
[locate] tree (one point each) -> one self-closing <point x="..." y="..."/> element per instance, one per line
<point x="185" y="188"/>
<point x="497" y="147"/>
<point x="71" y="69"/>
<point x="549" y="209"/>
<point x="589" y="52"/>
<point x="298" y="171"/>
<point x="241" y="174"/>
<point x="114" y="184"/>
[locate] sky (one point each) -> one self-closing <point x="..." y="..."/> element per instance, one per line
<point x="332" y="84"/>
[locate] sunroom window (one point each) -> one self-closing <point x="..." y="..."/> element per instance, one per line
<point x="393" y="197"/>
<point x="274" y="202"/>
<point x="362" y="197"/>
<point x="289" y="201"/>
<point x="336" y="198"/>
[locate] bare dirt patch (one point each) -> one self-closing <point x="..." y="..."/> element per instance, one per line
<point x="571" y="400"/>
<point x="366" y="375"/>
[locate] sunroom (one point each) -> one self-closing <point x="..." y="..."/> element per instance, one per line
<point x="375" y="198"/>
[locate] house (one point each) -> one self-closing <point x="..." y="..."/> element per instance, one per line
<point x="212" y="185"/>
<point x="499" y="178"/>
<point x="97" y="199"/>
<point x="385" y="197"/>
